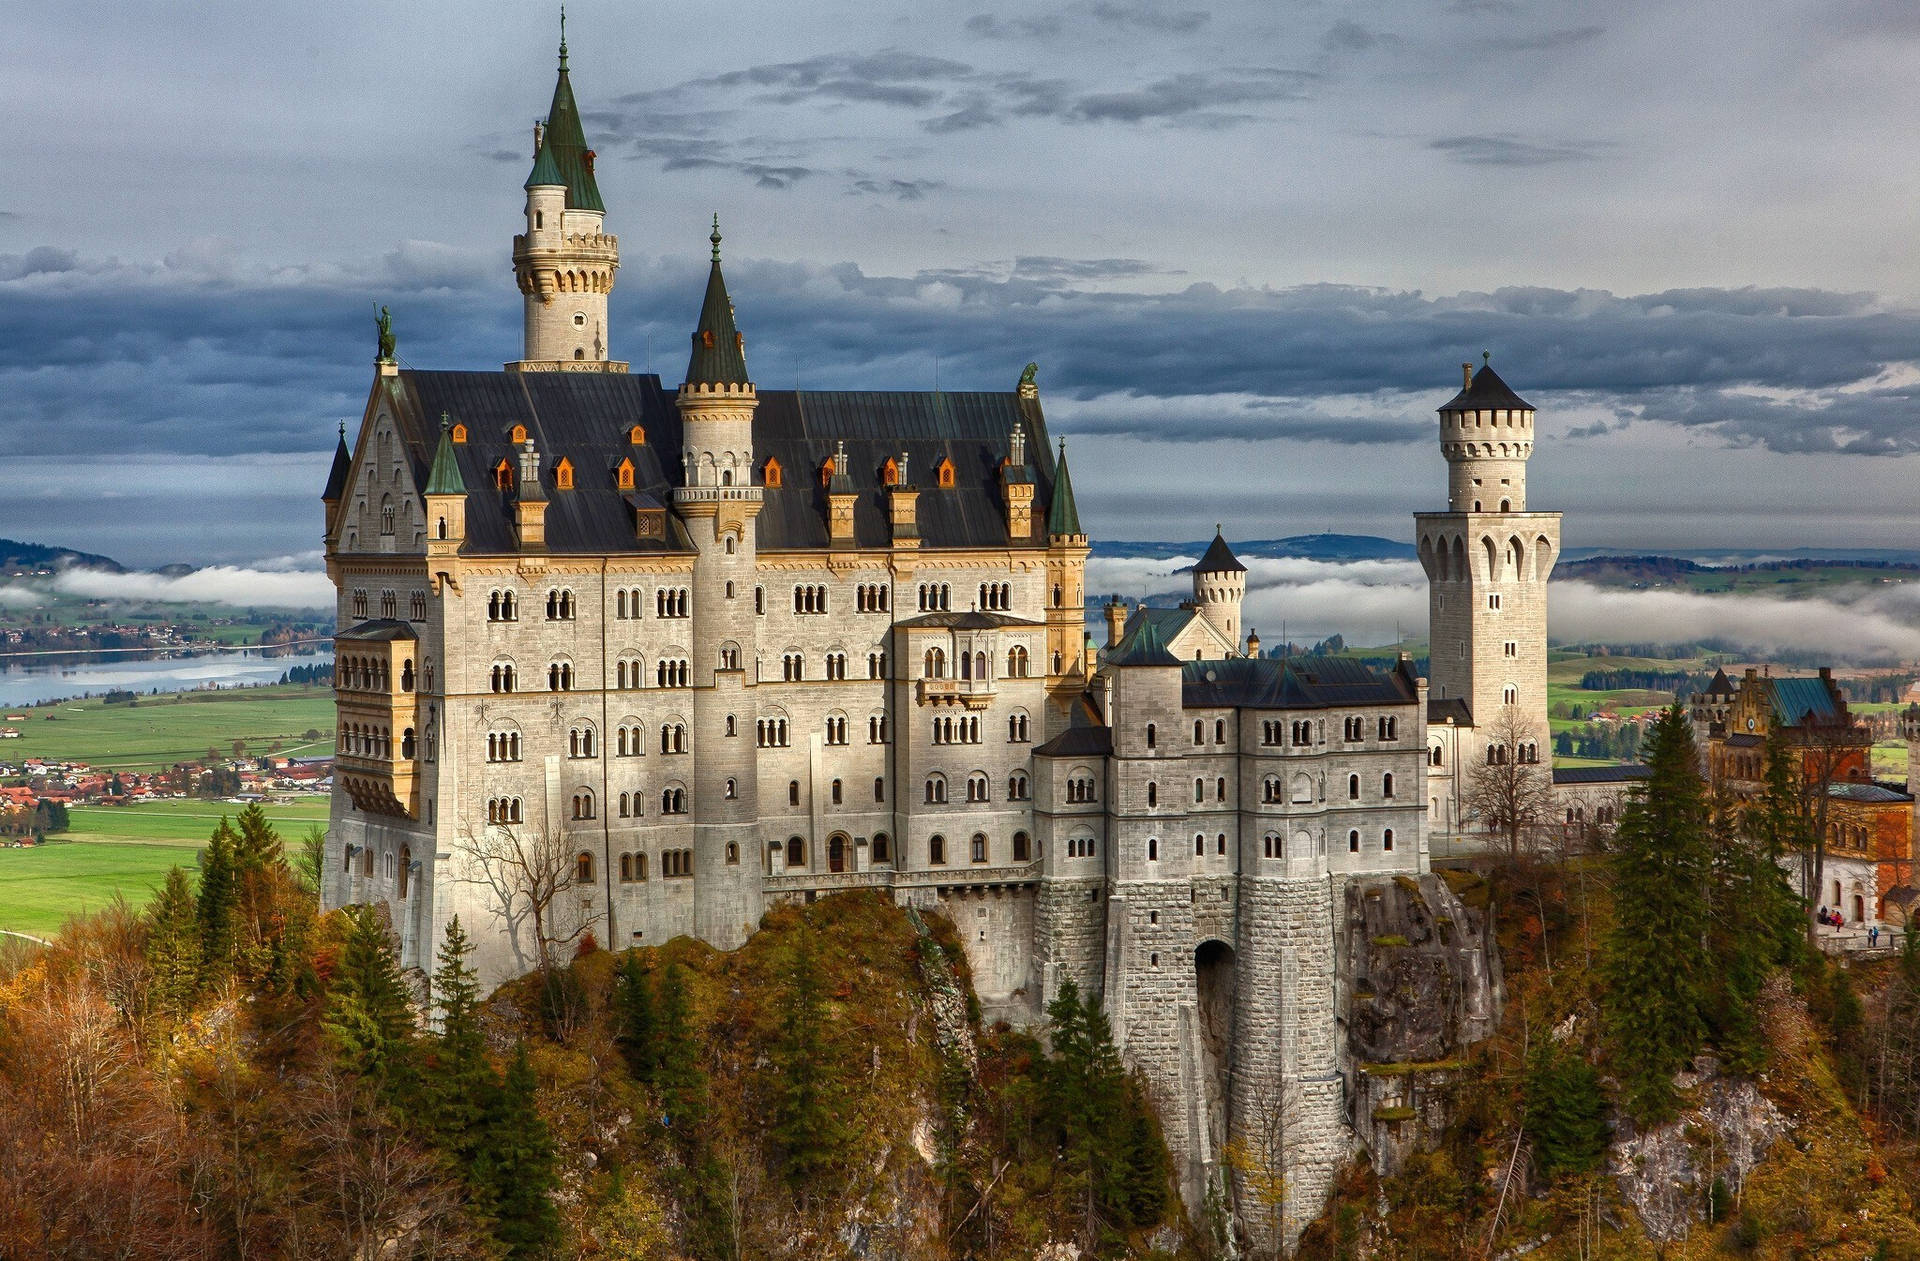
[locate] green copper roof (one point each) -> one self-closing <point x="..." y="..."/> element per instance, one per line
<point x="564" y="157"/>
<point x="1143" y="647"/>
<point x="445" y="478"/>
<point x="342" y="465"/>
<point x="1063" y="518"/>
<point x="719" y="352"/>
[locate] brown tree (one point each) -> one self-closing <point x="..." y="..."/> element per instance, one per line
<point x="1512" y="790"/>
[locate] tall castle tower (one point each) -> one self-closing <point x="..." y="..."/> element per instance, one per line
<point x="565" y="261"/>
<point x="1487" y="560"/>
<point x="720" y="504"/>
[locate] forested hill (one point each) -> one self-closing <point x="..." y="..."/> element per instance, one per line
<point x="17" y="558"/>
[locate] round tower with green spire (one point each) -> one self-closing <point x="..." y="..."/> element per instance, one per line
<point x="565" y="261"/>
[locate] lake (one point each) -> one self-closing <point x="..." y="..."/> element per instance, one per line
<point x="26" y="681"/>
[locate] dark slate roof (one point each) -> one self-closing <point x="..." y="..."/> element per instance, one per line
<point x="1142" y="646"/>
<point x="1867" y="794"/>
<point x="1170" y="622"/>
<point x="971" y="620"/>
<point x="1486" y="392"/>
<point x="342" y="466"/>
<point x="1078" y="742"/>
<point x="1625" y="773"/>
<point x="1292" y="683"/>
<point x="1721" y="685"/>
<point x="1794" y="699"/>
<point x="1741" y="740"/>
<point x="564" y="157"/>
<point x="1219" y="558"/>
<point x="586" y="416"/>
<point x="380" y="630"/>
<point x="1063" y="515"/>
<point x="719" y="352"/>
<point x="1453" y="707"/>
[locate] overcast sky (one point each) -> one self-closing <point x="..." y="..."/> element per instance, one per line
<point x="1249" y="244"/>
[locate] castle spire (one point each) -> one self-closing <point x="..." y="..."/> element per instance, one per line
<point x="719" y="352"/>
<point x="1063" y="517"/>
<point x="342" y="465"/>
<point x="564" y="158"/>
<point x="445" y="479"/>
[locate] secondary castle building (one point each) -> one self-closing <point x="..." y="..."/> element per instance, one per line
<point x="640" y="657"/>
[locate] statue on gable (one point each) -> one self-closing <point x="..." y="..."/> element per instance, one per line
<point x="384" y="321"/>
<point x="1027" y="376"/>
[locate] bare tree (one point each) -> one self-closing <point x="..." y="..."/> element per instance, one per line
<point x="1512" y="791"/>
<point x="1257" y="1154"/>
<point x="527" y="873"/>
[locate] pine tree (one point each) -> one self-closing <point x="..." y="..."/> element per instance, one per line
<point x="1566" y="1111"/>
<point x="516" y="1165"/>
<point x="677" y="1073"/>
<point x="633" y="1008"/>
<point x="462" y="1085"/>
<point x="1656" y="963"/>
<point x="214" y="907"/>
<point x="173" y="945"/>
<point x="806" y="1125"/>
<point x="367" y="1015"/>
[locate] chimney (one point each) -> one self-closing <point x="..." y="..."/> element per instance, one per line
<point x="903" y="505"/>
<point x="1466" y="376"/>
<point x="1116" y="611"/>
<point x="840" y="500"/>
<point x="1017" y="445"/>
<point x="530" y="506"/>
<point x="1253" y="643"/>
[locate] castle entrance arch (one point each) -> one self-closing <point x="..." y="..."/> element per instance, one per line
<point x="837" y="852"/>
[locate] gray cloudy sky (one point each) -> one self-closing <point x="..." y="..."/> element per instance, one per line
<point x="1249" y="244"/>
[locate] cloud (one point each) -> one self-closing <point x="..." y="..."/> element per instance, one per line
<point x="987" y="26"/>
<point x="1510" y="150"/>
<point x="1150" y="17"/>
<point x="1348" y="36"/>
<point x="1547" y="41"/>
<point x="1195" y="94"/>
<point x="221" y="584"/>
<point x="900" y="190"/>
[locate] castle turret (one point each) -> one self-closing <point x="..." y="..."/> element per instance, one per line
<point x="565" y="261"/>
<point x="719" y="503"/>
<point x="1487" y="560"/>
<point x="1066" y="575"/>
<point x="1219" y="587"/>
<point x="446" y="497"/>
<point x="337" y="480"/>
<point x="1115" y="612"/>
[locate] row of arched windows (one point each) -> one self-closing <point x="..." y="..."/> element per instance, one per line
<point x="964" y="729"/>
<point x="872" y="597"/>
<point x="809" y="598"/>
<point x="1525" y="753"/>
<point x="560" y="605"/>
<point x="996" y="596"/>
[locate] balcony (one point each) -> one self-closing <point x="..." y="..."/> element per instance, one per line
<point x="972" y="693"/>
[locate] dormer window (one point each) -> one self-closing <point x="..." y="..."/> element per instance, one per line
<point x="773" y="476"/>
<point x="517" y="435"/>
<point x="459" y="434"/>
<point x="563" y="474"/>
<point x="944" y="474"/>
<point x="637" y="436"/>
<point x="826" y="471"/>
<point x="890" y="473"/>
<point x="503" y="476"/>
<point x="623" y="475"/>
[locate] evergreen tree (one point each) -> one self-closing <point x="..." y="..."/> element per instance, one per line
<point x="173" y="945"/>
<point x="677" y="1073"/>
<point x="516" y="1165"/>
<point x="462" y="1086"/>
<point x="806" y="1124"/>
<point x="367" y="1015"/>
<point x="633" y="1013"/>
<point x="1656" y="964"/>
<point x="214" y="907"/>
<point x="1149" y="1169"/>
<point x="1566" y="1111"/>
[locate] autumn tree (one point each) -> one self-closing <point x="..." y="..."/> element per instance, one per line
<point x="367" y="1016"/>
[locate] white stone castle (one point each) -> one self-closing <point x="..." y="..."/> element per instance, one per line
<point x="721" y="647"/>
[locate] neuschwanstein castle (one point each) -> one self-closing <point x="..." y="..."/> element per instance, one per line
<point x="728" y="646"/>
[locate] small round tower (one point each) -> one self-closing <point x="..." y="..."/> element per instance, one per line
<point x="1486" y="433"/>
<point x="1219" y="586"/>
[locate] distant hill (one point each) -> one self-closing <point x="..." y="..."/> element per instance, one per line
<point x="1299" y="546"/>
<point x="17" y="558"/>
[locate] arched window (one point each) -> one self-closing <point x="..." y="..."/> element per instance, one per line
<point x="936" y="790"/>
<point x="1353" y="842"/>
<point x="1021" y="847"/>
<point x="1353" y="788"/>
<point x="1386" y="784"/>
<point x="1386" y="840"/>
<point x="1150" y="735"/>
<point x="937" y="850"/>
<point x="583" y="804"/>
<point x="583" y="868"/>
<point x="1153" y="849"/>
<point x="1153" y="794"/>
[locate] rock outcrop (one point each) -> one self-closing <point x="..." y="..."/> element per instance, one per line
<point x="1420" y="983"/>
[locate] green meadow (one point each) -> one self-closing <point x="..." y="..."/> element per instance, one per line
<point x="158" y="731"/>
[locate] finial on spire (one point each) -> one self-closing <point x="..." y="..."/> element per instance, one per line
<point x="446" y="422"/>
<point x="715" y="238"/>
<point x="563" y="37"/>
<point x="1217" y="531"/>
<point x="1486" y="357"/>
<point x="343" y="431"/>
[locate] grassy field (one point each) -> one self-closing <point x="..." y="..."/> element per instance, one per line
<point x="119" y="849"/>
<point x="42" y="886"/>
<point x="162" y="730"/>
